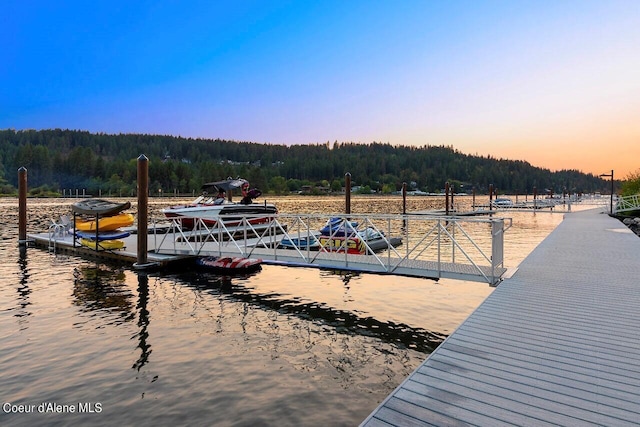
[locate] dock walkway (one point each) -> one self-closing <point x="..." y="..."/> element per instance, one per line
<point x="409" y="245"/>
<point x="558" y="343"/>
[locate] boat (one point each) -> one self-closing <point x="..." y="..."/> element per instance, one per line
<point x="502" y="202"/>
<point x="310" y="242"/>
<point x="103" y="245"/>
<point x="337" y="226"/>
<point x="230" y="265"/>
<point x="210" y="209"/>
<point x="98" y="207"/>
<point x="107" y="223"/>
<point x="339" y="235"/>
<point x="103" y="235"/>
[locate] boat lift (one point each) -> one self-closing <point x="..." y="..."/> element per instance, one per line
<point x="432" y="247"/>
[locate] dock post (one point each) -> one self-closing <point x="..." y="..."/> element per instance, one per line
<point x="446" y="198"/>
<point x="347" y="193"/>
<point x="490" y="196"/>
<point x="22" y="206"/>
<point x="143" y="201"/>
<point x="473" y="198"/>
<point x="452" y="189"/>
<point x="535" y="196"/>
<point x="404" y="198"/>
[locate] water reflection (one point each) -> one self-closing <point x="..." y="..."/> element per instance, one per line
<point x="103" y="288"/>
<point x="341" y="321"/>
<point x="23" y="288"/>
<point x="143" y="322"/>
<point x="345" y="275"/>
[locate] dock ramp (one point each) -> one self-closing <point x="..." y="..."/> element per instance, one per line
<point x="410" y="245"/>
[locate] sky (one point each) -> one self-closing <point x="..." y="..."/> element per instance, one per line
<point x="552" y="82"/>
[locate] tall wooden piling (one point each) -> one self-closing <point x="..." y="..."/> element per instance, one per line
<point x="143" y="210"/>
<point x="404" y="198"/>
<point x="22" y="206"/>
<point x="490" y="196"/>
<point x="446" y="198"/>
<point x="347" y="193"/>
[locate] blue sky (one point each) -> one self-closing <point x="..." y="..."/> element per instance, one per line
<point x="556" y="83"/>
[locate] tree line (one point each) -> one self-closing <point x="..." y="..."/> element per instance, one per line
<point x="58" y="160"/>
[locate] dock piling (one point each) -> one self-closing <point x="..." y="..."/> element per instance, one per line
<point x="347" y="193"/>
<point x="490" y="196"/>
<point x="404" y="198"/>
<point x="446" y="197"/>
<point x="143" y="210"/>
<point x="22" y="206"/>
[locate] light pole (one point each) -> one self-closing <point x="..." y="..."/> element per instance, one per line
<point x="606" y="175"/>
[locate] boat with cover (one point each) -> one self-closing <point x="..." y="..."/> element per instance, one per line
<point x="230" y="265"/>
<point x="340" y="235"/>
<point x="311" y="242"/>
<point x="101" y="207"/>
<point x="216" y="204"/>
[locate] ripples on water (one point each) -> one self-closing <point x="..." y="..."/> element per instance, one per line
<point x="285" y="346"/>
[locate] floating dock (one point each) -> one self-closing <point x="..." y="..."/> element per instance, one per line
<point x="558" y="343"/>
<point x="407" y="245"/>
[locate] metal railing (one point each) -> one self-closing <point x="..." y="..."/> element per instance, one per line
<point x="414" y="245"/>
<point x="627" y="204"/>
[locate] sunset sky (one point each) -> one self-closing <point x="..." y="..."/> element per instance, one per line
<point x="555" y="83"/>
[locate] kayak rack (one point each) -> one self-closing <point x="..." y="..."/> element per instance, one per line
<point x="409" y="245"/>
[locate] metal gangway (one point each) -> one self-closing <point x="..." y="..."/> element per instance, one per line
<point x="408" y="245"/>
<point x="627" y="204"/>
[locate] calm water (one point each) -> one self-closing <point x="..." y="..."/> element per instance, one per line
<point x="285" y="346"/>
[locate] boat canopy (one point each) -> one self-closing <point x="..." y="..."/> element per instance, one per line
<point x="226" y="185"/>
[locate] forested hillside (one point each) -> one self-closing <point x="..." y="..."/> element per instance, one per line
<point x="65" y="159"/>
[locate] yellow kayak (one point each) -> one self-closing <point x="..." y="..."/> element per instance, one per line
<point x="103" y="245"/>
<point x="107" y="223"/>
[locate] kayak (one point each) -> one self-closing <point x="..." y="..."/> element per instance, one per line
<point x="103" y="235"/>
<point x="104" y="245"/>
<point x="99" y="207"/>
<point x="107" y="223"/>
<point x="230" y="265"/>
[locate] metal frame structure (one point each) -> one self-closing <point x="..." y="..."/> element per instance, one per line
<point x="627" y="204"/>
<point x="432" y="247"/>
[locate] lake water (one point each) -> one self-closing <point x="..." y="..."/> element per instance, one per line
<point x="84" y="342"/>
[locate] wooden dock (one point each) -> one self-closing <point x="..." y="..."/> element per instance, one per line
<point x="127" y="255"/>
<point x="558" y="343"/>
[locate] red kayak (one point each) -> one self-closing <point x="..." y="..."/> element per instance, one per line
<point x="230" y="265"/>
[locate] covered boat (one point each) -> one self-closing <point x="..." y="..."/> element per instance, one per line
<point x="311" y="242"/>
<point x="230" y="265"/>
<point x="216" y="203"/>
<point x="340" y="235"/>
<point x="101" y="207"/>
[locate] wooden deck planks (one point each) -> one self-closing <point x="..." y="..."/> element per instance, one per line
<point x="556" y="344"/>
